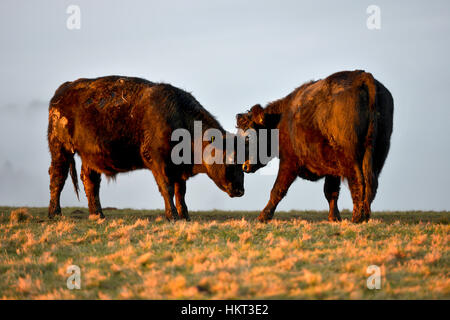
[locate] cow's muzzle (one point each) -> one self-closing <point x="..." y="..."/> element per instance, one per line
<point x="236" y="193"/>
<point x="247" y="167"/>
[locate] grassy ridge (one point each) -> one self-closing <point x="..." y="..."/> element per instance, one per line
<point x="137" y="254"/>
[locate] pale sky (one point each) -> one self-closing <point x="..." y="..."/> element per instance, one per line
<point x="230" y="55"/>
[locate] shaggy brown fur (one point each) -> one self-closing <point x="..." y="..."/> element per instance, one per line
<point x="118" y="124"/>
<point x="338" y="127"/>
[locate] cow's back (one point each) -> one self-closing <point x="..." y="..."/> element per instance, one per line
<point x="108" y="120"/>
<point x="329" y="119"/>
<point x="107" y="106"/>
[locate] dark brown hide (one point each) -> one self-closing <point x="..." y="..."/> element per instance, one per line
<point x="118" y="124"/>
<point x="338" y="127"/>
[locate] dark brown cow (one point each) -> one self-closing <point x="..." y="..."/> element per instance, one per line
<point x="338" y="127"/>
<point x="117" y="124"/>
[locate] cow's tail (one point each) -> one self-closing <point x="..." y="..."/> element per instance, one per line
<point x="74" y="176"/>
<point x="370" y="179"/>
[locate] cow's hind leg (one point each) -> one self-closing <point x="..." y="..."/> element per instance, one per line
<point x="356" y="185"/>
<point x="180" y="192"/>
<point x="370" y="182"/>
<point x="58" y="171"/>
<point x="91" y="181"/>
<point x="331" y="190"/>
<point x="369" y="195"/>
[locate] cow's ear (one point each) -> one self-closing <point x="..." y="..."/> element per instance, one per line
<point x="271" y="120"/>
<point x="257" y="114"/>
<point x="240" y="119"/>
<point x="243" y="120"/>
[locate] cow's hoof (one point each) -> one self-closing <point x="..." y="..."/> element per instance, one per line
<point x="263" y="218"/>
<point x="52" y="215"/>
<point x="96" y="216"/>
<point x="358" y="219"/>
<point x="184" y="215"/>
<point x="172" y="217"/>
<point x="334" y="219"/>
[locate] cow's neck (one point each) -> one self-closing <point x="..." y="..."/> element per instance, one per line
<point x="275" y="107"/>
<point x="278" y="106"/>
<point x="198" y="168"/>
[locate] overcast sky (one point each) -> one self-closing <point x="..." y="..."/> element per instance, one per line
<point x="230" y="55"/>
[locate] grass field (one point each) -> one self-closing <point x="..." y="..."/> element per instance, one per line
<point x="223" y="255"/>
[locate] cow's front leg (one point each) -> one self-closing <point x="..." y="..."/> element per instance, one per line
<point x="331" y="190"/>
<point x="167" y="190"/>
<point x="165" y="183"/>
<point x="180" y="192"/>
<point x="286" y="175"/>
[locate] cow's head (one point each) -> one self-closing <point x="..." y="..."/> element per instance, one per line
<point x="227" y="174"/>
<point x="256" y="119"/>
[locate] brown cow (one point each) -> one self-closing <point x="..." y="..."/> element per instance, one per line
<point x="338" y="127"/>
<point x="118" y="124"/>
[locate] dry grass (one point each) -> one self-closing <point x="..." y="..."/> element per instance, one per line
<point x="221" y="255"/>
<point x="19" y="215"/>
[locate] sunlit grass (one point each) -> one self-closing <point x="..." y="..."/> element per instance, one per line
<point x="222" y="255"/>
